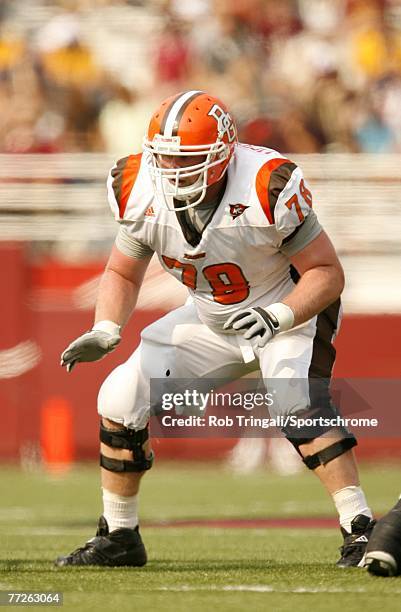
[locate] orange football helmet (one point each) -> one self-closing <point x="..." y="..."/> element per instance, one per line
<point x="188" y="127"/>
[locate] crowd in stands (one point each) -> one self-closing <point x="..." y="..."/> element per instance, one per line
<point x="302" y="76"/>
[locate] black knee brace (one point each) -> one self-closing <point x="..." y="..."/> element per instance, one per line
<point x="322" y="408"/>
<point x="329" y="453"/>
<point x="131" y="440"/>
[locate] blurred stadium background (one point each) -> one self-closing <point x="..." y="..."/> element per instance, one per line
<point x="320" y="80"/>
<point x="317" y="79"/>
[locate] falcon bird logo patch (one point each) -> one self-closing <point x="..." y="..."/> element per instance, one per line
<point x="237" y="209"/>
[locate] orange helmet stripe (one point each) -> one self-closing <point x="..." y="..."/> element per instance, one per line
<point x="172" y="118"/>
<point x="167" y="111"/>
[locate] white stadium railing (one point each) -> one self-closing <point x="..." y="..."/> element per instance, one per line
<point x="55" y="197"/>
<point x="62" y="198"/>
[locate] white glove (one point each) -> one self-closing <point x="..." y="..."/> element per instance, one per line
<point x="261" y="324"/>
<point x="95" y="344"/>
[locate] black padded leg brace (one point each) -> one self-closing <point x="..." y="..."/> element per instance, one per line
<point x="130" y="440"/>
<point x="329" y="453"/>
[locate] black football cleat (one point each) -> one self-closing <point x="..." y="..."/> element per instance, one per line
<point x="353" y="549"/>
<point x="383" y="554"/>
<point x="117" y="548"/>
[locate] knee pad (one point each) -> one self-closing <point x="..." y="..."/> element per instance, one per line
<point x="123" y="396"/>
<point x="131" y="440"/>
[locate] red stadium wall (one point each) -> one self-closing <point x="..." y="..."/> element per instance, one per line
<point x="32" y="298"/>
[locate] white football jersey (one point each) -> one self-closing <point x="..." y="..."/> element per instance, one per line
<point x="238" y="261"/>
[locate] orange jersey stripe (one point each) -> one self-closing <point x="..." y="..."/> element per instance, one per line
<point x="124" y="175"/>
<point x="262" y="184"/>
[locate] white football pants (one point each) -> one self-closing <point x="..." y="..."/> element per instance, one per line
<point x="179" y="346"/>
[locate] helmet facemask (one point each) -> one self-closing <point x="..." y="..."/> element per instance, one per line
<point x="167" y="181"/>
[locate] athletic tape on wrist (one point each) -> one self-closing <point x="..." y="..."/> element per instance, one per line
<point x="107" y="326"/>
<point x="283" y="314"/>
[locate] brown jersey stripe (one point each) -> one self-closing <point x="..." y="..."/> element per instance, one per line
<point x="124" y="176"/>
<point x="278" y="180"/>
<point x="117" y="174"/>
<point x="266" y="192"/>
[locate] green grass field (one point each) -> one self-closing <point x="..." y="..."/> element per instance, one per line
<point x="191" y="569"/>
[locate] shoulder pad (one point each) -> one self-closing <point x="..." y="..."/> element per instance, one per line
<point x="271" y="180"/>
<point x="293" y="204"/>
<point x="121" y="181"/>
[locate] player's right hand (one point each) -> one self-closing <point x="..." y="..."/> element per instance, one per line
<point x="91" y="346"/>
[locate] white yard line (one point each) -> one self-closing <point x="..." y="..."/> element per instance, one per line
<point x="265" y="588"/>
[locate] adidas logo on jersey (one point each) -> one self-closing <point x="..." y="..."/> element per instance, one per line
<point x="149" y="212"/>
<point x="237" y="209"/>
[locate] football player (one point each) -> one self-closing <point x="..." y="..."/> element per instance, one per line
<point x="383" y="553"/>
<point x="235" y="224"/>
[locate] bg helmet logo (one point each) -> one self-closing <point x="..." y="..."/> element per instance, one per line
<point x="225" y="124"/>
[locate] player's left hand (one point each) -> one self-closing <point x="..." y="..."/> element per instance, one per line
<point x="261" y="324"/>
